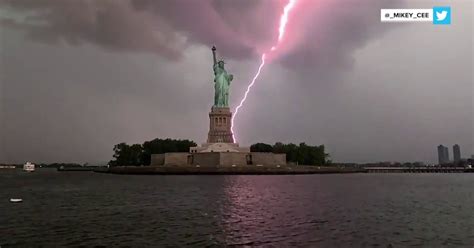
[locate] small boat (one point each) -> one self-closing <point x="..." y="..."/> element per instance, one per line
<point x="7" y="167"/>
<point x="29" y="167"/>
<point x="16" y="200"/>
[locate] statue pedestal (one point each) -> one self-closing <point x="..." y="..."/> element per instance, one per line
<point x="219" y="147"/>
<point x="219" y="138"/>
<point x="220" y="121"/>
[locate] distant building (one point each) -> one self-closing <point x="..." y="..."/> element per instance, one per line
<point x="443" y="154"/>
<point x="456" y="153"/>
<point x="446" y="155"/>
<point x="440" y="154"/>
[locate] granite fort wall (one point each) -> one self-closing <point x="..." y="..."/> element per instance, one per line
<point x="176" y="158"/>
<point x="157" y="159"/>
<point x="206" y="159"/>
<point x="231" y="158"/>
<point x="213" y="159"/>
<point x="265" y="158"/>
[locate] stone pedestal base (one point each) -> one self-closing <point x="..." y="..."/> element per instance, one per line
<point x="219" y="147"/>
<point x="219" y="138"/>
<point x="219" y="126"/>
<point x="218" y="159"/>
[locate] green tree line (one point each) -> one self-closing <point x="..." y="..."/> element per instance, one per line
<point x="302" y="154"/>
<point x="140" y="154"/>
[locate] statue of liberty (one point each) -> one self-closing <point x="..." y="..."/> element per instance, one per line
<point x="221" y="82"/>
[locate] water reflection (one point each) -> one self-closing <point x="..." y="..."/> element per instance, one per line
<point x="263" y="210"/>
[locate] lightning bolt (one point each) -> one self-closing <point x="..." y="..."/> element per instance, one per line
<point x="281" y="32"/>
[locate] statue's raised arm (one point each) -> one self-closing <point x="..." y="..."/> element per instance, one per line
<point x="214" y="54"/>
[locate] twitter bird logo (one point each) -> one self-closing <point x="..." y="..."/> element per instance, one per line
<point x="442" y="15"/>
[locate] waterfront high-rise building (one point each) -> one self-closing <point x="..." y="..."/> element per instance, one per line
<point x="456" y="153"/>
<point x="446" y="155"/>
<point x="441" y="158"/>
<point x="443" y="154"/>
<point x="440" y="154"/>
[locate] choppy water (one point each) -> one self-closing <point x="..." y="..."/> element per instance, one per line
<point x="357" y="210"/>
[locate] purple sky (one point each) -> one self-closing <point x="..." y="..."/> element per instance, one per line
<point x="77" y="77"/>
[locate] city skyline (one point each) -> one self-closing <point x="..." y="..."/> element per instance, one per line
<point x="444" y="158"/>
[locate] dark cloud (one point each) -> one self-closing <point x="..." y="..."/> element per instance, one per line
<point x="240" y="29"/>
<point x="237" y="28"/>
<point x="113" y="25"/>
<point x="161" y="27"/>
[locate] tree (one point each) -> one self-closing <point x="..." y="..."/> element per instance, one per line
<point x="127" y="155"/>
<point x="291" y="151"/>
<point x="302" y="154"/>
<point x="158" y="146"/>
<point x="137" y="154"/>
<point x="261" y="147"/>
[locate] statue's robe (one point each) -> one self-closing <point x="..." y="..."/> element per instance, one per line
<point x="221" y="86"/>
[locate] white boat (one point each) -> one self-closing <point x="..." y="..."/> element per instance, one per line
<point x="7" y="167"/>
<point x="29" y="167"/>
<point x="15" y="200"/>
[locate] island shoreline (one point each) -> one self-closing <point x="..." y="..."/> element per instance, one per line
<point x="227" y="170"/>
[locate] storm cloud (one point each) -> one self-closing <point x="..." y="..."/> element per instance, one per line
<point x="93" y="73"/>
<point x="240" y="29"/>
